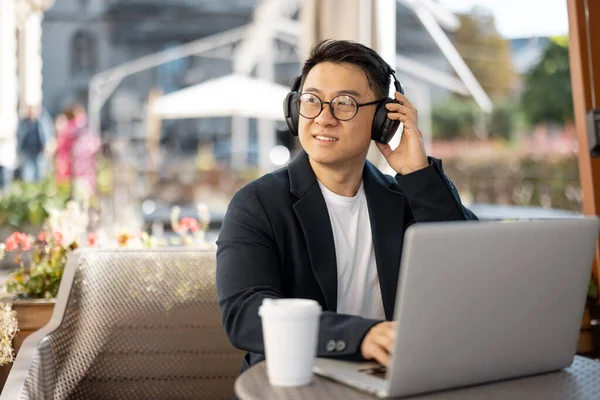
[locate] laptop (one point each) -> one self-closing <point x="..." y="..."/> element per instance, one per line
<point x="479" y="302"/>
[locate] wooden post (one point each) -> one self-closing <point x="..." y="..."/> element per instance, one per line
<point x="584" y="55"/>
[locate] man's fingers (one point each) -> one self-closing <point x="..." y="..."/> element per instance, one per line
<point x="402" y="115"/>
<point x="379" y="341"/>
<point x="386" y="339"/>
<point x="402" y="98"/>
<point x="381" y="356"/>
<point x="408" y="121"/>
<point x="401" y="108"/>
<point x="391" y="329"/>
<point x="385" y="149"/>
<point x="386" y="342"/>
<point x="398" y="116"/>
<point x="387" y="336"/>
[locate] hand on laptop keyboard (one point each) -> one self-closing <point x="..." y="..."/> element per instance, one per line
<point x="378" y="371"/>
<point x="378" y="342"/>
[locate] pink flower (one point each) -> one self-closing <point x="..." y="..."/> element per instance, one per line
<point x="11" y="243"/>
<point x="17" y="239"/>
<point x="25" y="242"/>
<point x="188" y="224"/>
<point x="58" y="238"/>
<point x="92" y="239"/>
<point x="42" y="236"/>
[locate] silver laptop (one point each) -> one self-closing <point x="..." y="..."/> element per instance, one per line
<point x="479" y="302"/>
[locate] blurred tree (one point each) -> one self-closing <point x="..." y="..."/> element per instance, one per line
<point x="453" y="119"/>
<point x="486" y="53"/>
<point x="501" y="122"/>
<point x="547" y="96"/>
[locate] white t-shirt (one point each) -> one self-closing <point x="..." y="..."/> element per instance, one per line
<point x="358" y="283"/>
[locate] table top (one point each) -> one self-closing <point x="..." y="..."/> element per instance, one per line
<point x="580" y="381"/>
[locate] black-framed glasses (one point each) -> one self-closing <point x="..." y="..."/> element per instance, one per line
<point x="342" y="107"/>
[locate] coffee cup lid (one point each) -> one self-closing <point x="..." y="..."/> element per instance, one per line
<point x="289" y="308"/>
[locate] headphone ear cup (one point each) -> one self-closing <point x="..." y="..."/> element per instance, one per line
<point x="290" y="109"/>
<point x="290" y="112"/>
<point x="383" y="128"/>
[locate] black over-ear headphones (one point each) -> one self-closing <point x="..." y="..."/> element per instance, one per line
<point x="382" y="130"/>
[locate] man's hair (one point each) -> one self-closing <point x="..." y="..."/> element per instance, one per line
<point x="344" y="51"/>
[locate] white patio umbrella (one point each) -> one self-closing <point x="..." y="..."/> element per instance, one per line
<point x="231" y="95"/>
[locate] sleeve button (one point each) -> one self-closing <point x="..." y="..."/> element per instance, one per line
<point x="331" y="345"/>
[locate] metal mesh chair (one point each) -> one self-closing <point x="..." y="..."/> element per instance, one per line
<point x="130" y="324"/>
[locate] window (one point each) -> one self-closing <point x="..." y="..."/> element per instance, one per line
<point x="83" y="53"/>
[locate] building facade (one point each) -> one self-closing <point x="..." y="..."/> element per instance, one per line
<point x="84" y="37"/>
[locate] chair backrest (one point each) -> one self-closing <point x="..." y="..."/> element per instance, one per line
<point x="136" y="324"/>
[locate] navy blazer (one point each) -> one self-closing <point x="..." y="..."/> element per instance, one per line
<point x="276" y="241"/>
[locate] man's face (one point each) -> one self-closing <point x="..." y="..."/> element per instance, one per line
<point x="351" y="138"/>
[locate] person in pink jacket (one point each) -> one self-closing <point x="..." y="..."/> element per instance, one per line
<point x="76" y="148"/>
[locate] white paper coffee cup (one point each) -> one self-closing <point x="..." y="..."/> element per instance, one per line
<point x="290" y="334"/>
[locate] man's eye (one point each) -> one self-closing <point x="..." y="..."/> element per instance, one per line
<point x="344" y="101"/>
<point x="306" y="98"/>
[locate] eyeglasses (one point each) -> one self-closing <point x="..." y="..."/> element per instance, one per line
<point x="342" y="107"/>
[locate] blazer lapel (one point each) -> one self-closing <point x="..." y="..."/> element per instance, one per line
<point x="386" y="212"/>
<point x="311" y="211"/>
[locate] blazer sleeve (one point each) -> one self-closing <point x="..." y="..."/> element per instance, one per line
<point x="249" y="270"/>
<point x="432" y="196"/>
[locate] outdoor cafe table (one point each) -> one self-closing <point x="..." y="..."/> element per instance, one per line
<point x="580" y="381"/>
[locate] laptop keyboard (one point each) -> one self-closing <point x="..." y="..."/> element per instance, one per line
<point x="378" y="371"/>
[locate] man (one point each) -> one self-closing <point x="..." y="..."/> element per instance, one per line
<point x="330" y="226"/>
<point x="34" y="133"/>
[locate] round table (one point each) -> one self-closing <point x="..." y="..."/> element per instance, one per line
<point x="580" y="381"/>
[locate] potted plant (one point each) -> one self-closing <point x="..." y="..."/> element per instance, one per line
<point x="26" y="206"/>
<point x="33" y="286"/>
<point x="8" y="330"/>
<point x="41" y="278"/>
<point x="8" y="326"/>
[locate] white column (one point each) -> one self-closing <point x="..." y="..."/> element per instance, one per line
<point x="8" y="83"/>
<point x="334" y="19"/>
<point x="308" y="27"/>
<point x="22" y="62"/>
<point x="384" y="43"/>
<point x="384" y="26"/>
<point x="33" y="51"/>
<point x="267" y="136"/>
<point x="30" y="58"/>
<point x="239" y="142"/>
<point x="425" y="117"/>
<point x="420" y="96"/>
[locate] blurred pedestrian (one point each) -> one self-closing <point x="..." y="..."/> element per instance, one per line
<point x="76" y="149"/>
<point x="34" y="134"/>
